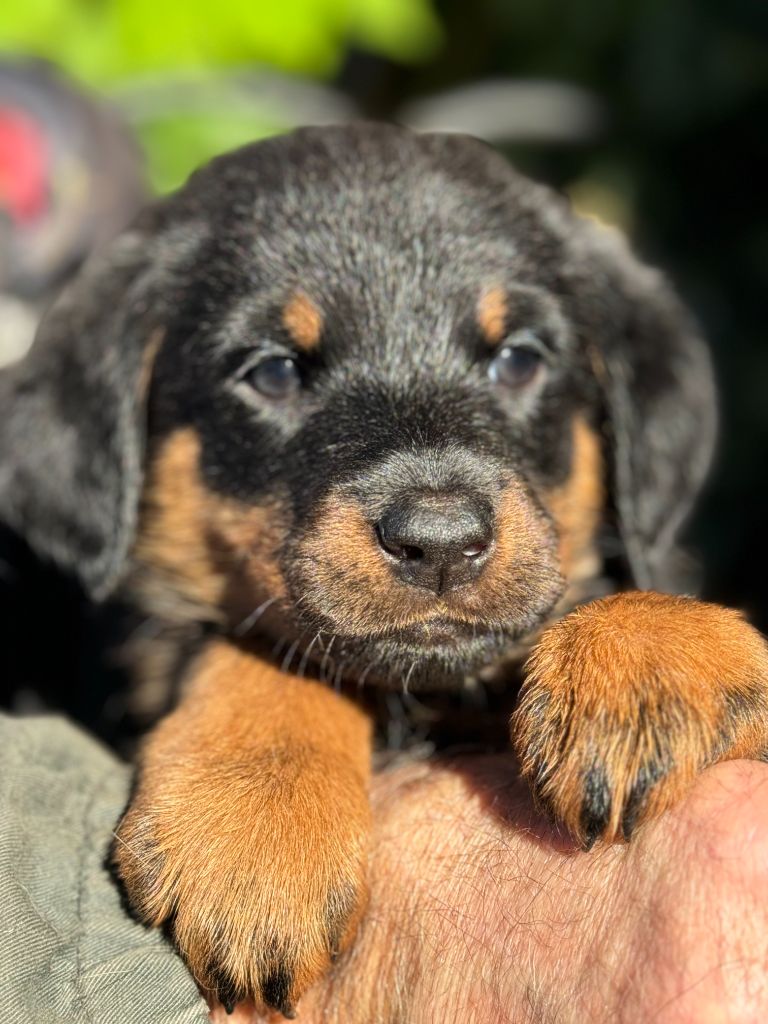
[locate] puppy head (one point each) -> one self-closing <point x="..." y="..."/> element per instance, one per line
<point x="364" y="387"/>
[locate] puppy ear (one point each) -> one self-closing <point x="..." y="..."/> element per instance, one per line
<point x="72" y="430"/>
<point x="659" y="393"/>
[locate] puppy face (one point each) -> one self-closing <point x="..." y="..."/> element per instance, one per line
<point x="373" y="415"/>
<point x="372" y="409"/>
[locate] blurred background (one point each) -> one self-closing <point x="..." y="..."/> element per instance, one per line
<point x="650" y="114"/>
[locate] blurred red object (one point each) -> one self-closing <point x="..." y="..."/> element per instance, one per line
<point x="24" y="161"/>
<point x="71" y="176"/>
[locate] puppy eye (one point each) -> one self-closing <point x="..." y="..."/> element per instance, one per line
<point x="277" y="378"/>
<point x="516" y="366"/>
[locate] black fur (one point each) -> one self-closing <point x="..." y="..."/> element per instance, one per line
<point x="398" y="233"/>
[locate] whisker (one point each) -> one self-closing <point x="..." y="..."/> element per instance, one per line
<point x="396" y="730"/>
<point x="407" y="679"/>
<point x="327" y="661"/>
<point x="337" y="677"/>
<point x="364" y="676"/>
<point x="305" y="656"/>
<point x="279" y="646"/>
<point x="250" y="620"/>
<point x="291" y="651"/>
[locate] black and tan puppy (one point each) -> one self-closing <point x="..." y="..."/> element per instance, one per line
<point x="361" y="390"/>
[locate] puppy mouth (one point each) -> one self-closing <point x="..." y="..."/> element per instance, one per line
<point x="435" y="652"/>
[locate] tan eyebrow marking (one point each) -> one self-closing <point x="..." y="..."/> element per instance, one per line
<point x="492" y="311"/>
<point x="303" y="321"/>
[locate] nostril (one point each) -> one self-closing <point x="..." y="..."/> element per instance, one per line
<point x="475" y="549"/>
<point x="402" y="552"/>
<point x="405" y="552"/>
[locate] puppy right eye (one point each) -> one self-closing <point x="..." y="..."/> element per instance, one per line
<point x="277" y="378"/>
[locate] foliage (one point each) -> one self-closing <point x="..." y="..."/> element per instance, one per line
<point x="130" y="47"/>
<point x="101" y="40"/>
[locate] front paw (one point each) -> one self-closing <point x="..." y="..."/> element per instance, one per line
<point x="258" y="872"/>
<point x="628" y="698"/>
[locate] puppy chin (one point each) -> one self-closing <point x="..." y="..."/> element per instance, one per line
<point x="407" y="661"/>
<point x="433" y="655"/>
<point x="441" y="668"/>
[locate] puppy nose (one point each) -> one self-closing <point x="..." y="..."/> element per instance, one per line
<point x="438" y="542"/>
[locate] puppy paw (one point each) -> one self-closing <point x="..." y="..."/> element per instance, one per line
<point x="257" y="871"/>
<point x="628" y="698"/>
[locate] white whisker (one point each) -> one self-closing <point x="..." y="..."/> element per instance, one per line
<point x="289" y="656"/>
<point x="250" y="621"/>
<point x="307" y="651"/>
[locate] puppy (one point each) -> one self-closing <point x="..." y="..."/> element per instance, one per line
<point x="371" y="396"/>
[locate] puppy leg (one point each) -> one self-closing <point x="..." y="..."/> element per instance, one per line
<point x="248" y="829"/>
<point x="628" y="698"/>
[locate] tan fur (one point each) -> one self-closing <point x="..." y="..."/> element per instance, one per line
<point x="249" y="829"/>
<point x="577" y="505"/>
<point x="492" y="315"/>
<point x="345" y="571"/>
<point x="303" y="321"/>
<point x="634" y="680"/>
<point x="210" y="552"/>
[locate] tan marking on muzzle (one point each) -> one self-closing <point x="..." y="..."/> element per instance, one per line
<point x="346" y="577"/>
<point x="199" y="548"/>
<point x="577" y="506"/>
<point x="523" y="572"/>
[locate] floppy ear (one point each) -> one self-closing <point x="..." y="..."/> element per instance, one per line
<point x="659" y="393"/>
<point x="72" y="428"/>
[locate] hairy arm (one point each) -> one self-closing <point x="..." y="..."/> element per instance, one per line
<point x="480" y="913"/>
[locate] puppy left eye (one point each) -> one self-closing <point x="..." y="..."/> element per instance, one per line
<point x="277" y="378"/>
<point x="515" y="366"/>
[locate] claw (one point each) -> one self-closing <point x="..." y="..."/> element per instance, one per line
<point x="591" y="835"/>
<point x="226" y="992"/>
<point x="277" y="992"/>
<point x="647" y="777"/>
<point x="632" y="812"/>
<point x="596" y="808"/>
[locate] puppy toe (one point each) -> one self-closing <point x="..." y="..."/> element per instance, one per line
<point x="596" y="806"/>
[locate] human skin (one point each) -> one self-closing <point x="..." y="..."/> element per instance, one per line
<point x="481" y="912"/>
